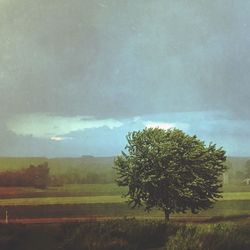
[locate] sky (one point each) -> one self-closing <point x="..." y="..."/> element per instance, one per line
<point x="76" y="76"/>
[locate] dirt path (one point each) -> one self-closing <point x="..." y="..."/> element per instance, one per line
<point x="55" y="220"/>
<point x="93" y="218"/>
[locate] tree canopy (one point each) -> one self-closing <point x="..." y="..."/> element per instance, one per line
<point x="170" y="170"/>
<point x="33" y="176"/>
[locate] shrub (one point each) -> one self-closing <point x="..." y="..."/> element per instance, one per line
<point x="211" y="237"/>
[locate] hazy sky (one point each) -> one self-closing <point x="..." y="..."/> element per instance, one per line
<point x="76" y="76"/>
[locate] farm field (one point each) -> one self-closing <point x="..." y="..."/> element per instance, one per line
<point x="221" y="211"/>
<point x="230" y="191"/>
<point x="62" y="200"/>
<point x="63" y="191"/>
<point x="237" y="196"/>
<point x="99" y="200"/>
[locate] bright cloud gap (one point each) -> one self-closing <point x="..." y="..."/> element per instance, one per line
<point x="54" y="127"/>
<point x="161" y="125"/>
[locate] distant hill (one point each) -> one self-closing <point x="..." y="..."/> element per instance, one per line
<point x="86" y="162"/>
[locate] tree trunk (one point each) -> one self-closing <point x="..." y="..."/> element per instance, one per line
<point x="167" y="215"/>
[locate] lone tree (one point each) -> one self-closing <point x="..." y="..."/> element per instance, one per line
<point x="170" y="170"/>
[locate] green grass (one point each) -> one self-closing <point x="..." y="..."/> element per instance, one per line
<point x="125" y="234"/>
<point x="228" y="236"/>
<point x="236" y="188"/>
<point x="91" y="189"/>
<point x="62" y="200"/>
<point x="97" y="190"/>
<point x="63" y="191"/>
<point x="232" y="203"/>
<point x="236" y="196"/>
<point x="106" y="200"/>
<point x="110" y="206"/>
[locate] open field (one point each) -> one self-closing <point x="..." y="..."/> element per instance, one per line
<point x="62" y="200"/>
<point x="243" y="196"/>
<point x="227" y="188"/>
<point x="111" y="189"/>
<point x="99" y="200"/>
<point x="63" y="191"/>
<point x="222" y="211"/>
<point x="239" y="196"/>
<point x="230" y="191"/>
<point x="101" y="194"/>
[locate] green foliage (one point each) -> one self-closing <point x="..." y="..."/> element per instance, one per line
<point x="218" y="236"/>
<point x="170" y="170"/>
<point x="33" y="176"/>
<point x="117" y="235"/>
<point x="124" y="235"/>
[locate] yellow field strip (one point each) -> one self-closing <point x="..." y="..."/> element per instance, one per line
<point x="236" y="196"/>
<point x="62" y="200"/>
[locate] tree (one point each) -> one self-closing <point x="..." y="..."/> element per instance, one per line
<point x="33" y="176"/>
<point x="170" y="170"/>
<point x="36" y="176"/>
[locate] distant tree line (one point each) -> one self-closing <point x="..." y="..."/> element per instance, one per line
<point x="33" y="176"/>
<point x="39" y="177"/>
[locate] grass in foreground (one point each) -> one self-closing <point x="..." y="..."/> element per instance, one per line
<point x="125" y="234"/>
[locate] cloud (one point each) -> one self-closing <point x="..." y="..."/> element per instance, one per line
<point x="165" y="125"/>
<point x="124" y="60"/>
<point x="110" y="140"/>
<point x="59" y="138"/>
<point x="161" y="125"/>
<point x="53" y="127"/>
<point x="112" y="66"/>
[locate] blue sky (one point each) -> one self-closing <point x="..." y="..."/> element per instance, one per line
<point x="77" y="76"/>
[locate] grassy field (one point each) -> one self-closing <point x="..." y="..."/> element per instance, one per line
<point x="91" y="189"/>
<point x="230" y="191"/>
<point x="62" y="200"/>
<point x="239" y="196"/>
<point x="227" y="188"/>
<point x="99" y="200"/>
<point x="111" y="189"/>
<point x="222" y="209"/>
<point x="243" y="196"/>
<point x="63" y="191"/>
<point x="93" y="201"/>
